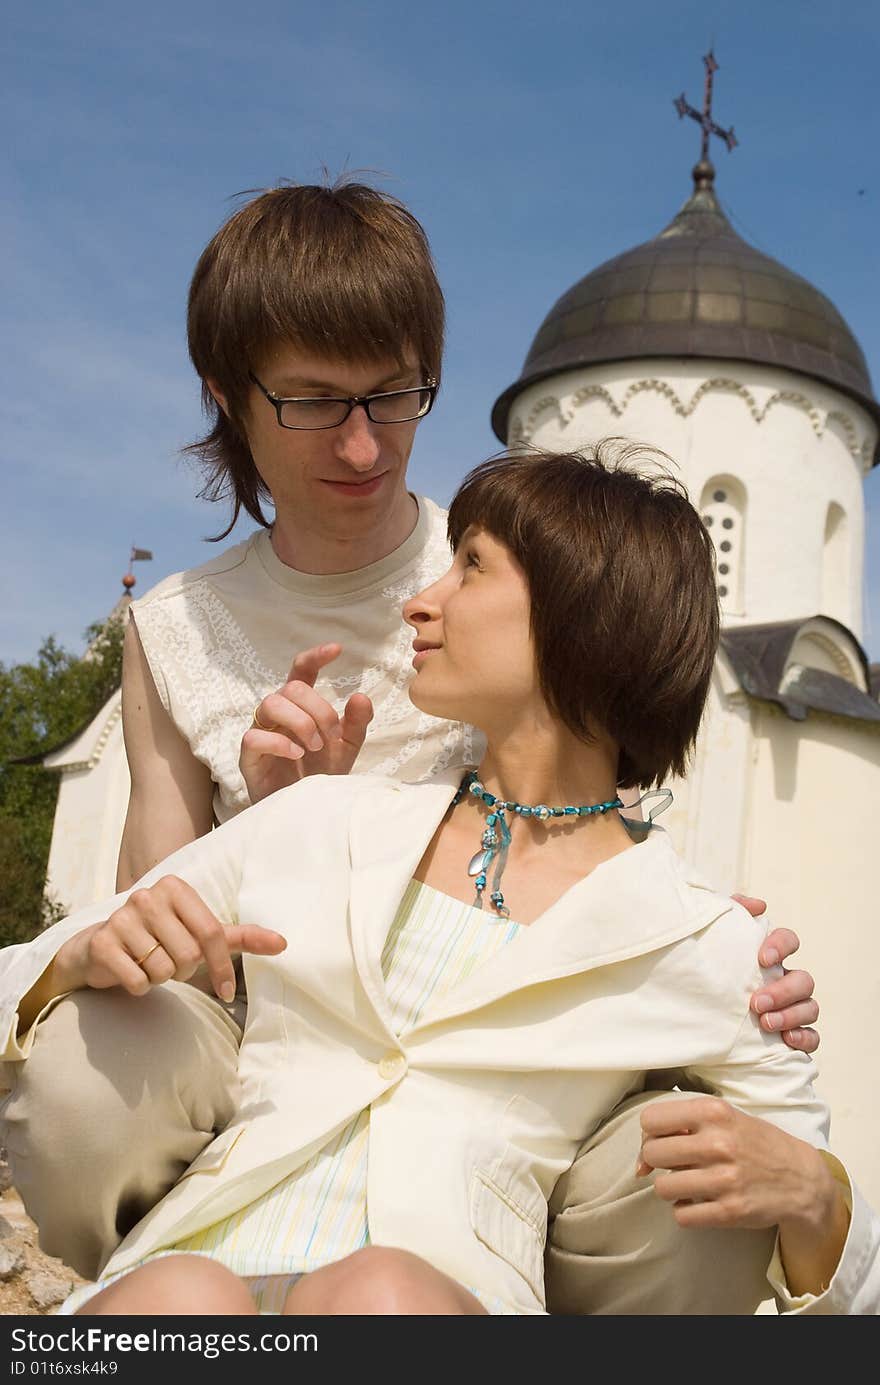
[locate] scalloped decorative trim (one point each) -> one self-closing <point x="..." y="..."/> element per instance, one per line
<point x="99" y="746"/>
<point x="566" y="408"/>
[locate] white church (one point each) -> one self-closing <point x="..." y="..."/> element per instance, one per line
<point x="749" y="378"/>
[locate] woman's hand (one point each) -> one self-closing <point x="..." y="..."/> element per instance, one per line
<point x="785" y="1006"/>
<point x="296" y="732"/>
<point x="727" y="1169"/>
<point x="163" y="933"/>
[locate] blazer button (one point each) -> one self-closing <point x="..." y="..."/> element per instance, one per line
<point x="392" y="1067"/>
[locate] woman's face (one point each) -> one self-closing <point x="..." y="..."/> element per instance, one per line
<point x="475" y="660"/>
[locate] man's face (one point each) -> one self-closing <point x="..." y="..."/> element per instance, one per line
<point x="338" y="482"/>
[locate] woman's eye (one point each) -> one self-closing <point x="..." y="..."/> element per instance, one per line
<point x="471" y="560"/>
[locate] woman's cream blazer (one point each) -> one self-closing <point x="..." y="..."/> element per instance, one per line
<point x="479" y="1107"/>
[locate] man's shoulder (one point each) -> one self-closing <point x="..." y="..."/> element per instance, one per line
<point x="433" y="554"/>
<point x="179" y="582"/>
<point x="437" y="516"/>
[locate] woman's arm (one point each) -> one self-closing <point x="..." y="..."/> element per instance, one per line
<point x="162" y="932"/>
<point x="194" y="892"/>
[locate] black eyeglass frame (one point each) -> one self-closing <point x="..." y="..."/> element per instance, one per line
<point x="352" y="400"/>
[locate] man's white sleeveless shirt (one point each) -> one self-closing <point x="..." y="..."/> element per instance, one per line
<point x="221" y="636"/>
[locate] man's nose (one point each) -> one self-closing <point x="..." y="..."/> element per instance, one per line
<point x="357" y="440"/>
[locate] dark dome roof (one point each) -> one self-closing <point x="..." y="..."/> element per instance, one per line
<point x="697" y="289"/>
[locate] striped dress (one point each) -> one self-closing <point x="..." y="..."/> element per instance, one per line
<point x="319" y="1213"/>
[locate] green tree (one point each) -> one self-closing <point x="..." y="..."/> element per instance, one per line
<point x="42" y="704"/>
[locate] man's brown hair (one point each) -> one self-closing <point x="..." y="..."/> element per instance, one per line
<point x="341" y="272"/>
<point x="621" y="575"/>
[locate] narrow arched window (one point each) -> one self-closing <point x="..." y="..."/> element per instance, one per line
<point x="723" y="508"/>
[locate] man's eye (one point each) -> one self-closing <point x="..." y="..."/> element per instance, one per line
<point x="471" y="560"/>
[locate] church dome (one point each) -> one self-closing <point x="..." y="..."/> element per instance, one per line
<point x="696" y="290"/>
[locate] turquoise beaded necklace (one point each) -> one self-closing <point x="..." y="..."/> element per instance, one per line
<point x="496" y="835"/>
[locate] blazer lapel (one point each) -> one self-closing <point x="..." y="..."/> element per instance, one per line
<point x="389" y="831"/>
<point x="635" y="903"/>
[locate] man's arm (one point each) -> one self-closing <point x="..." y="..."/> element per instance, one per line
<point x="171" y="791"/>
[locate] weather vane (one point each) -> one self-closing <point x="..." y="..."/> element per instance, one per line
<point x="138" y="555"/>
<point x="704" y="117"/>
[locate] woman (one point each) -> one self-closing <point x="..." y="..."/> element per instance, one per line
<point x="466" y="975"/>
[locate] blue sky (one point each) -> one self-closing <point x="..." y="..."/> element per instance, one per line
<point x="533" y="142"/>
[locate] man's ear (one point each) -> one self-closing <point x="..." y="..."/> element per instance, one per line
<point x="218" y="395"/>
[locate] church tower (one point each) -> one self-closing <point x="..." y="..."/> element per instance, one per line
<point x="750" y="380"/>
<point x="746" y="375"/>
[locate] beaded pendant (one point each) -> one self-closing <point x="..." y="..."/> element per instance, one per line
<point x="495" y="841"/>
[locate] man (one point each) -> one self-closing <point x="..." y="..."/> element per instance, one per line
<point x="316" y="326"/>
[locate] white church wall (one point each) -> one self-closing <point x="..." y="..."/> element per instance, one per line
<point x="810" y="850"/>
<point x="706" y="819"/>
<point x="796" y="448"/>
<point x="90" y="812"/>
<point x="783" y="810"/>
<point x="836" y="552"/>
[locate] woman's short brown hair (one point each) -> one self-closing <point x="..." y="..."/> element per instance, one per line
<point x="621" y="575"/>
<point x="342" y="272"/>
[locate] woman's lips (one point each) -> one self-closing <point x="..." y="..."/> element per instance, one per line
<point x="420" y="656"/>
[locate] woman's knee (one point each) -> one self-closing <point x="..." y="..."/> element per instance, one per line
<point x="387" y="1280"/>
<point x="382" y="1281"/>
<point x="177" y="1285"/>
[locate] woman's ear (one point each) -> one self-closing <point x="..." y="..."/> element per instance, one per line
<point x="218" y="396"/>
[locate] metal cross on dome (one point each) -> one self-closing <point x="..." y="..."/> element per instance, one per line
<point x="704" y="118"/>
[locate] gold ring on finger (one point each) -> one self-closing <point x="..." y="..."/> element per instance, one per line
<point x="262" y="725"/>
<point x="149" y="952"/>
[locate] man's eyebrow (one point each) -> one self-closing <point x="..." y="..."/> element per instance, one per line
<point x="293" y="383"/>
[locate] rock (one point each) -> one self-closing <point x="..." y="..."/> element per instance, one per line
<point x="12" y="1259"/>
<point x="5" y="1175"/>
<point x="34" y="1283"/>
<point x="48" y="1288"/>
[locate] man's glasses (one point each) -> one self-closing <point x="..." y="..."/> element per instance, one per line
<point x="395" y="406"/>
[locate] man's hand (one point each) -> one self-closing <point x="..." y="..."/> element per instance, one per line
<point x="785" y="1005"/>
<point x="299" y="733"/>
<point x="163" y="933"/>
